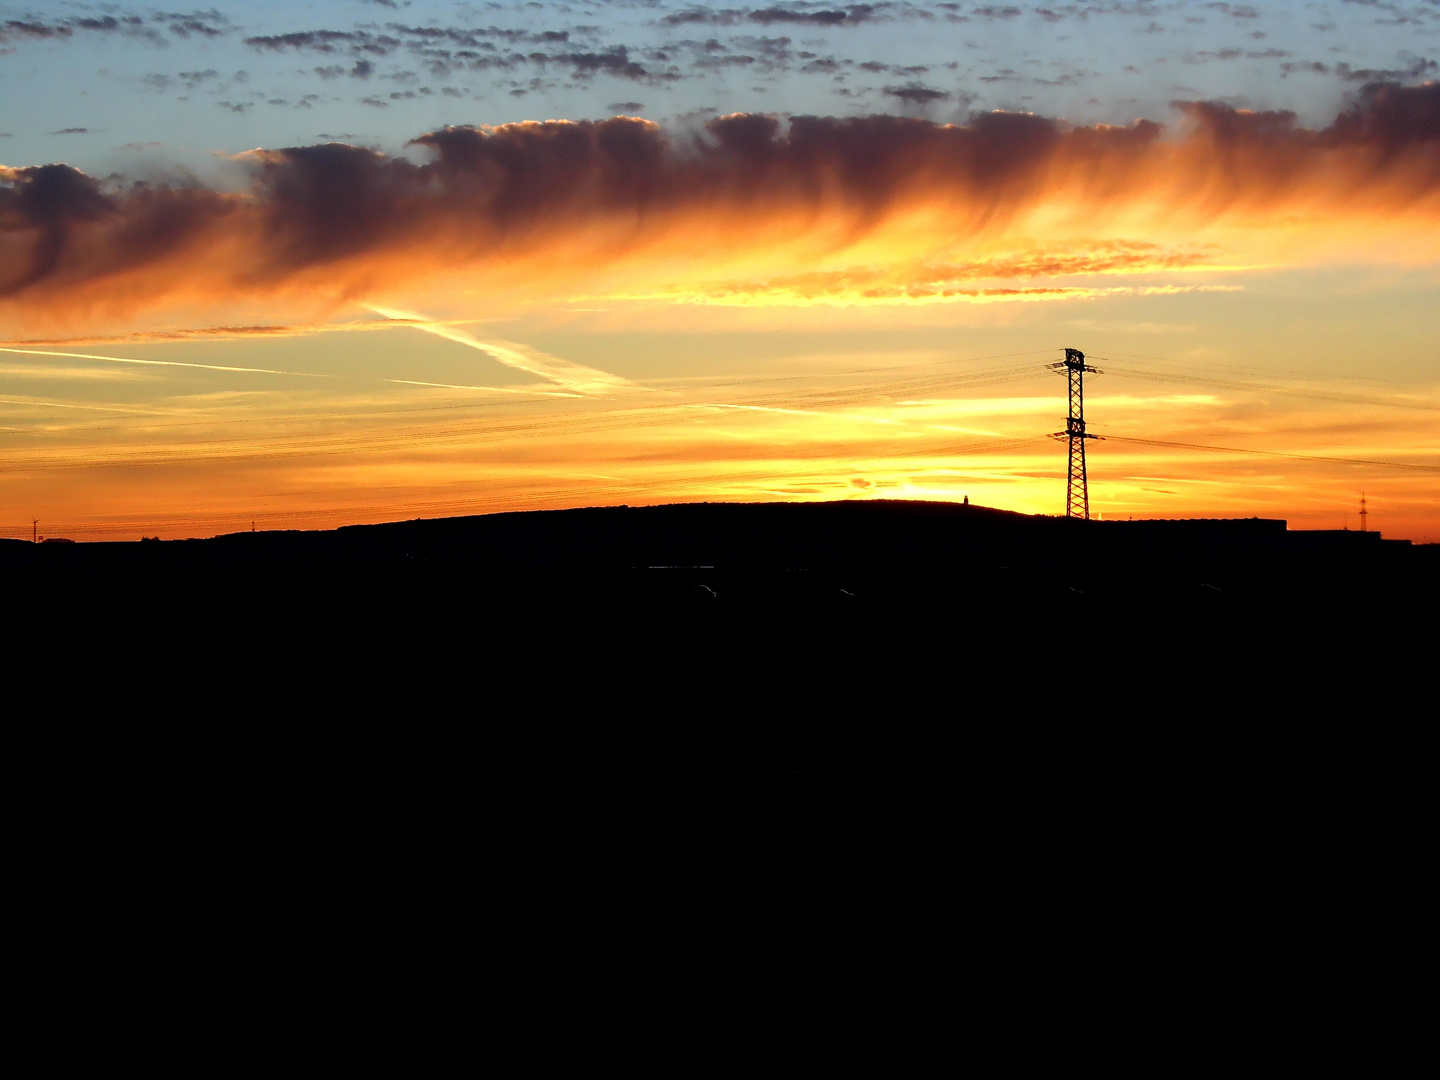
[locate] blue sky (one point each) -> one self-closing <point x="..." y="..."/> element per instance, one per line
<point x="132" y="88"/>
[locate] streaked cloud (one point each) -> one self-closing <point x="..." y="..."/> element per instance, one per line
<point x="551" y="205"/>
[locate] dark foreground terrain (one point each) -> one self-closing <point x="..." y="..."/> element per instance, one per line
<point x="952" y="603"/>
<point x="801" y="738"/>
<point x="637" y="557"/>
<point x="433" y="671"/>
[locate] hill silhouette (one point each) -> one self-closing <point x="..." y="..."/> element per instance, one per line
<point x="731" y="632"/>
<point x="744" y="559"/>
<point x="869" y="536"/>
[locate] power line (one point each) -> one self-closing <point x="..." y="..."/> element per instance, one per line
<point x="1271" y="453"/>
<point x="1244" y="370"/>
<point x="1271" y="388"/>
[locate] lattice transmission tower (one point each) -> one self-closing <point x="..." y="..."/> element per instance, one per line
<point x="1077" y="491"/>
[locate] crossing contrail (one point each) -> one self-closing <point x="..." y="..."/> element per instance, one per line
<point x="584" y="381"/>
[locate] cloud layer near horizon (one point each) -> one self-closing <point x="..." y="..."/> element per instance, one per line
<point x="620" y="207"/>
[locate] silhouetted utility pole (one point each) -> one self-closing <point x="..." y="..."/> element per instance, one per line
<point x="1363" y="512"/>
<point x="1077" y="491"/>
<point x="34" y="530"/>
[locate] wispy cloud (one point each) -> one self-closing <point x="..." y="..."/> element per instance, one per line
<point x="912" y="295"/>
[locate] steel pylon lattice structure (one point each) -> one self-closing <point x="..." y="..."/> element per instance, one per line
<point x="1077" y="490"/>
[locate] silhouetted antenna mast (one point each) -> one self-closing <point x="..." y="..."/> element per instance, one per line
<point x="1077" y="491"/>
<point x="1363" y="512"/>
<point x="34" y="530"/>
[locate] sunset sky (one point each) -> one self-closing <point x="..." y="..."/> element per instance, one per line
<point x="340" y="261"/>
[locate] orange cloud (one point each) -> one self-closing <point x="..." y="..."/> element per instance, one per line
<point x="560" y="207"/>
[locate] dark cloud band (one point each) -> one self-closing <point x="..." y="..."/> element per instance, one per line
<point x="517" y="191"/>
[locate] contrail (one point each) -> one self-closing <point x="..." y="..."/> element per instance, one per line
<point x="752" y="408"/>
<point x="583" y="380"/>
<point x="91" y="408"/>
<point x="162" y="363"/>
<point x="788" y="412"/>
<point x="492" y="389"/>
